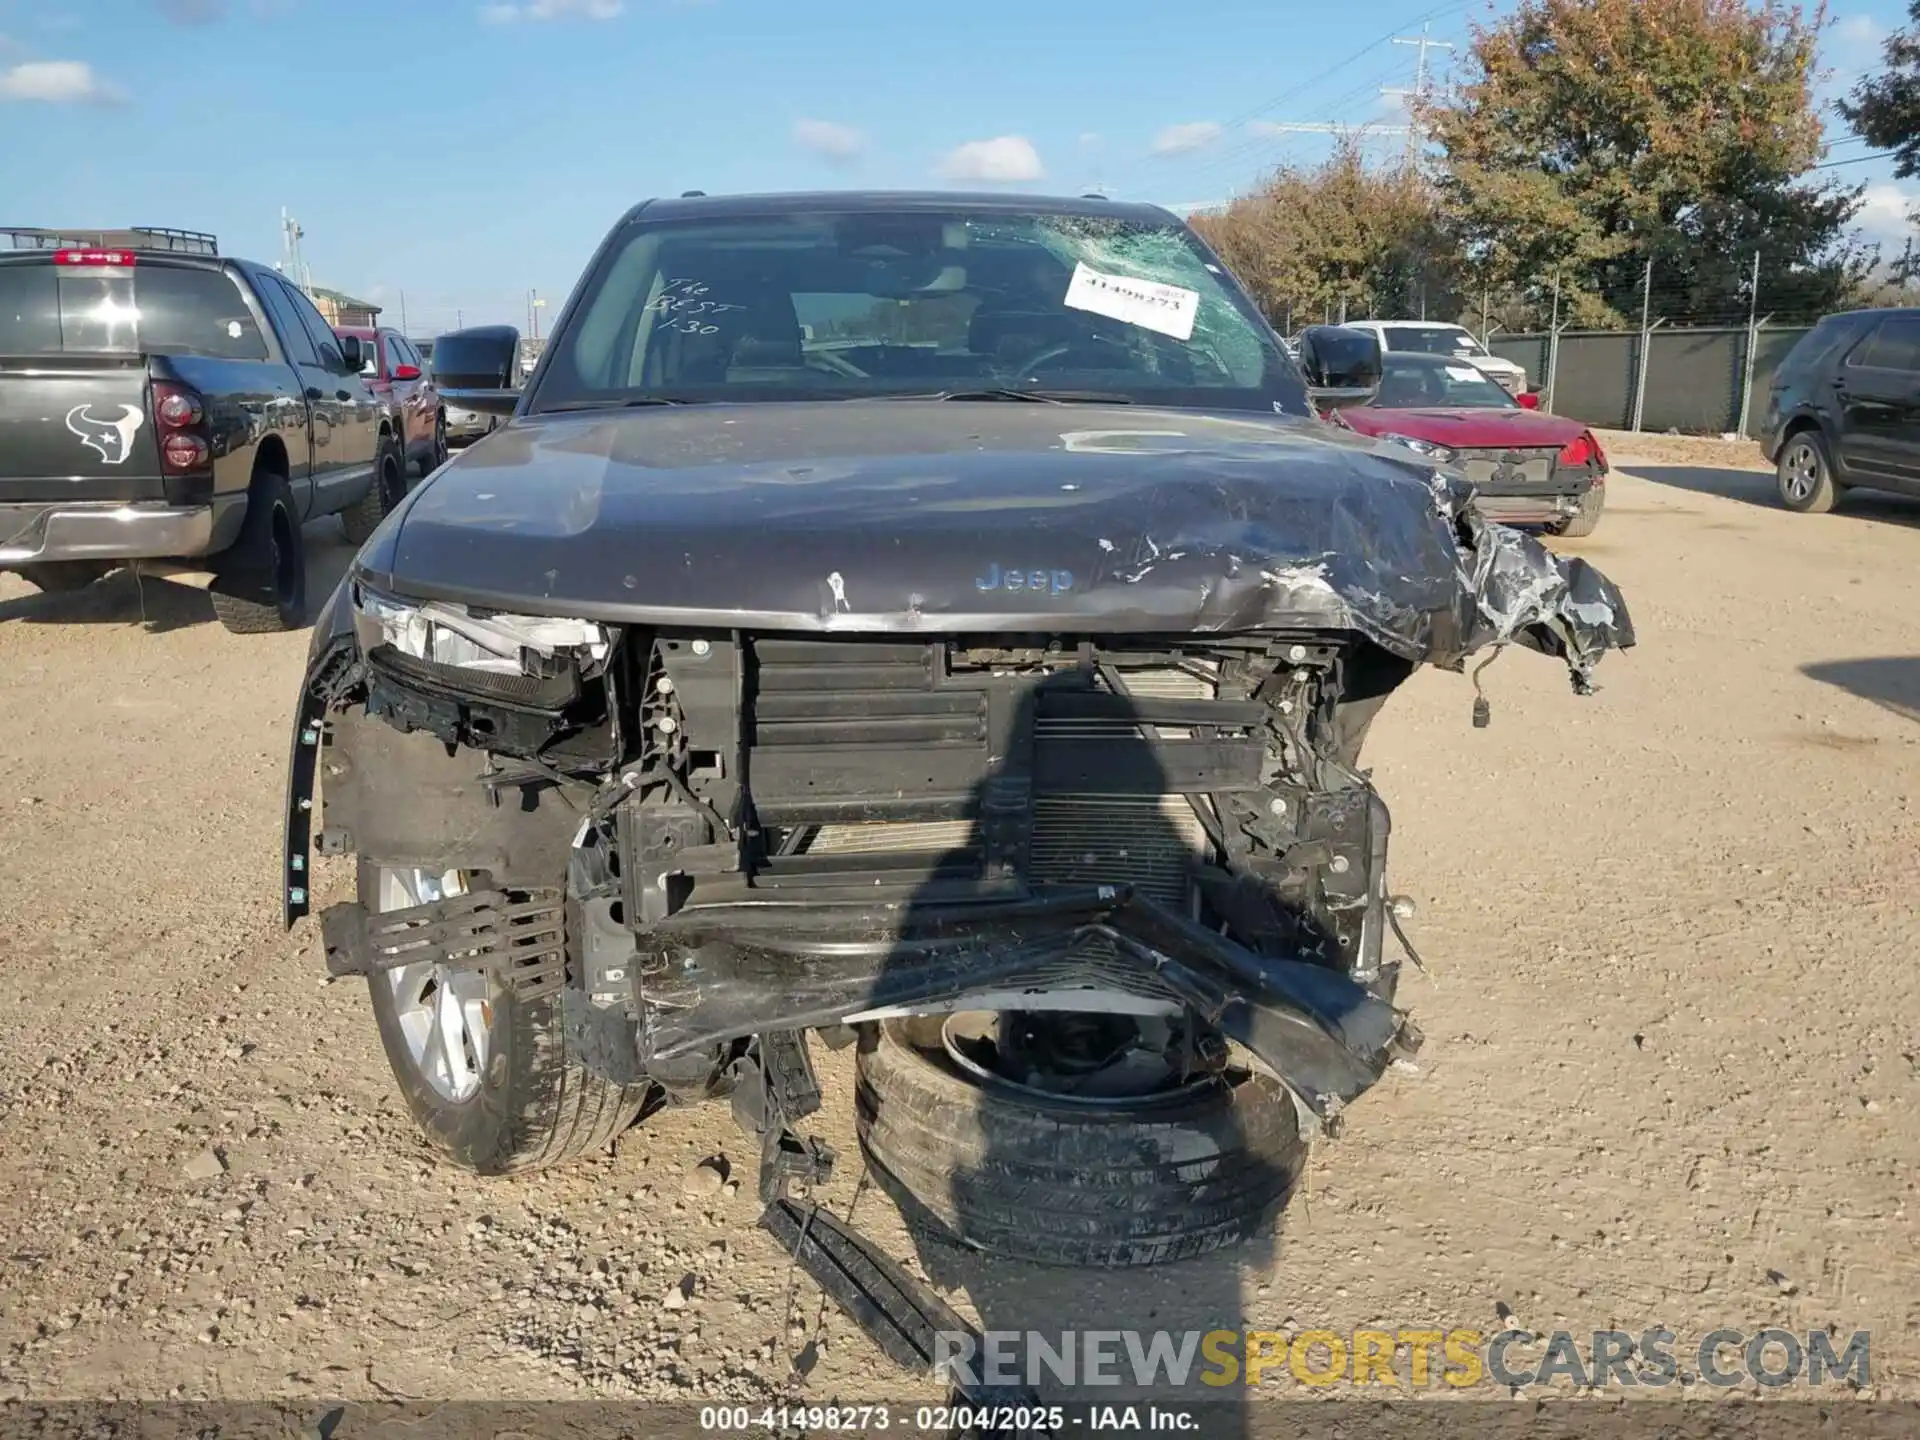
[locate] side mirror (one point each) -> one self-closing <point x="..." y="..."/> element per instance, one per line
<point x="1342" y="366"/>
<point x="406" y="372"/>
<point x="1528" y="400"/>
<point x="351" y="355"/>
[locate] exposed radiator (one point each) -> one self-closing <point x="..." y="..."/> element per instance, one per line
<point x="1145" y="841"/>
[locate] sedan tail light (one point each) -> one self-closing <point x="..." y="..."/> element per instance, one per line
<point x="1583" y="450"/>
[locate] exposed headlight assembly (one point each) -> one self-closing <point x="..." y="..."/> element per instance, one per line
<point x="437" y="633"/>
<point x="1425" y="447"/>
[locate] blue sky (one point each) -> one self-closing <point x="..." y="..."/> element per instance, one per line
<point x="462" y="153"/>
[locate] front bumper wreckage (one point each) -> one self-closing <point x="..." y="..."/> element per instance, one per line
<point x="730" y="972"/>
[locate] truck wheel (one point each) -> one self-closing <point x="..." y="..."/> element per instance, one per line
<point x="1168" y="1172"/>
<point x="1586" y="519"/>
<point x="57" y="577"/>
<point x="389" y="486"/>
<point x="487" y="1074"/>
<point x="260" y="585"/>
<point x="1805" y="474"/>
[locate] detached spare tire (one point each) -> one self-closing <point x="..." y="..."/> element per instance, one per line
<point x="1059" y="1180"/>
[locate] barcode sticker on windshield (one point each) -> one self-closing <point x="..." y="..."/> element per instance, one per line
<point x="1146" y="303"/>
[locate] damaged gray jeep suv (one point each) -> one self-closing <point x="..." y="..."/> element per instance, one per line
<point x="935" y="624"/>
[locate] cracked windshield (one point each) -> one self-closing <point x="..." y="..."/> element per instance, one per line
<point x="916" y="302"/>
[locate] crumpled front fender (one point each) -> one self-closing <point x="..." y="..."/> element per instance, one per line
<point x="332" y="666"/>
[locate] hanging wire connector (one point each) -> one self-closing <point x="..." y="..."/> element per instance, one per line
<point x="1482" y="711"/>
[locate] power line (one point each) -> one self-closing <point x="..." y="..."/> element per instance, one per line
<point x="1853" y="160"/>
<point x="1293" y="94"/>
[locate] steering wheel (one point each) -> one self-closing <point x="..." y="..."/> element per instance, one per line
<point x="836" y="365"/>
<point x="1048" y="352"/>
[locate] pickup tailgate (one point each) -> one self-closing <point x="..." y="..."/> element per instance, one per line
<point x="77" y="331"/>
<point x="76" y="428"/>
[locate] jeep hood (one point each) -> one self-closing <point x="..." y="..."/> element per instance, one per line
<point x="929" y="516"/>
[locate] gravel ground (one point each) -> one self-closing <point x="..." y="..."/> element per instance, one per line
<point x="1671" y="1075"/>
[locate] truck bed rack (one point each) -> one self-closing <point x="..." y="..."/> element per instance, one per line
<point x="135" y="237"/>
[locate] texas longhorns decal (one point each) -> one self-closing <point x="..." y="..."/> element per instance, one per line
<point x="112" y="438"/>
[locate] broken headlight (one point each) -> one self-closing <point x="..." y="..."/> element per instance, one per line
<point x="1440" y="454"/>
<point x="452" y="637"/>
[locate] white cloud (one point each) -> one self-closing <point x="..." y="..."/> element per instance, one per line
<point x="839" y="144"/>
<point x="1861" y="30"/>
<point x="1091" y="139"/>
<point x="1003" y="158"/>
<point x="553" y="10"/>
<point x="1180" y="139"/>
<point x="58" y="82"/>
<point x="1884" y="210"/>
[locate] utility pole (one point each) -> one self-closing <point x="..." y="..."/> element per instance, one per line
<point x="1754" y="322"/>
<point x="1647" y="327"/>
<point x="291" y="233"/>
<point x="403" y="312"/>
<point x="1423" y="42"/>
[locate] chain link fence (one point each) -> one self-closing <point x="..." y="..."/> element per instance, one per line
<point x="1685" y="363"/>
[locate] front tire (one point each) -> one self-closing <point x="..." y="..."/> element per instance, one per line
<point x="1132" y="1182"/>
<point x="486" y="1073"/>
<point x="437" y="452"/>
<point x="1804" y="474"/>
<point x="260" y="585"/>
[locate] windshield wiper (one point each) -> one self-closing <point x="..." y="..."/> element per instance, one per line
<point x="616" y="404"/>
<point x="1009" y="392"/>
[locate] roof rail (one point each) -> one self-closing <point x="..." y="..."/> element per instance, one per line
<point x="134" y="237"/>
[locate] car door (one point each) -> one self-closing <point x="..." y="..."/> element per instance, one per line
<point x="409" y="396"/>
<point x="1877" y="395"/>
<point x="356" y="415"/>
<point x="323" y="446"/>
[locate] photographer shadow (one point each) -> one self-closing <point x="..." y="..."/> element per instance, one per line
<point x="1099" y="1240"/>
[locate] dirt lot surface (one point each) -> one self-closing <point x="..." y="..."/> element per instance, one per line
<point x="1672" y="1074"/>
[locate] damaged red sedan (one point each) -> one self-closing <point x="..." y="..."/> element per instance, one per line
<point x="1527" y="468"/>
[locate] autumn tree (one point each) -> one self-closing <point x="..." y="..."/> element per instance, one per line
<point x="1884" y="109"/>
<point x="1338" y="238"/>
<point x="1590" y="136"/>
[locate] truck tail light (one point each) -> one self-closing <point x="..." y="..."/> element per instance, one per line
<point x="122" y="258"/>
<point x="186" y="447"/>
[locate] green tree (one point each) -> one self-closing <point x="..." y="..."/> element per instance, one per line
<point x="1338" y="238"/>
<point x="1591" y="136"/>
<point x="1884" y="109"/>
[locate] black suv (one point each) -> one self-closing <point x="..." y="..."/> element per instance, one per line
<point x="1844" y="410"/>
<point x="164" y="407"/>
<point x="939" y="620"/>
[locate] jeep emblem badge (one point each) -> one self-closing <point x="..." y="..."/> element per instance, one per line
<point x="1046" y="582"/>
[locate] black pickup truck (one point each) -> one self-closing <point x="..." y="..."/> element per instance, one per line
<point x="184" y="413"/>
